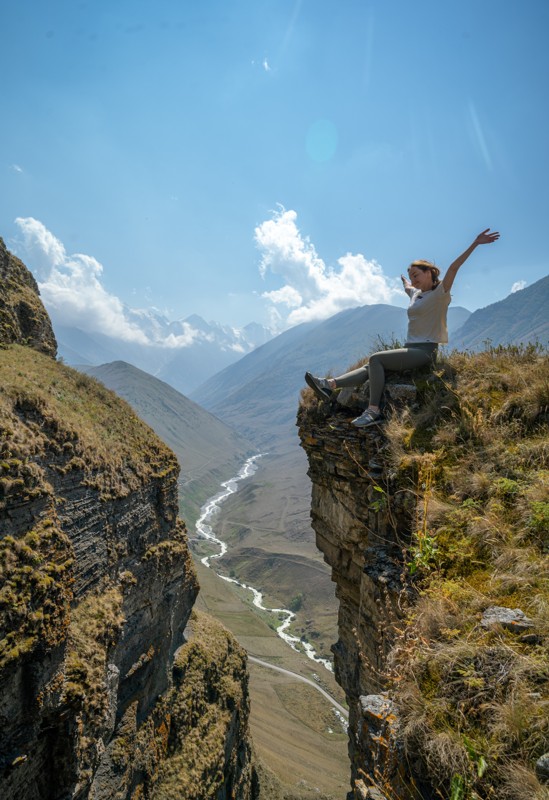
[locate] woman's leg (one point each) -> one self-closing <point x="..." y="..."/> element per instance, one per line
<point x="354" y="378"/>
<point x="395" y="361"/>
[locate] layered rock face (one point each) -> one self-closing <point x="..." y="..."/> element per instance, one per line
<point x="356" y="515"/>
<point x="103" y="695"/>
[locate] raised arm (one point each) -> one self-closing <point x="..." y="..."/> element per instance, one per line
<point x="483" y="238"/>
<point x="408" y="288"/>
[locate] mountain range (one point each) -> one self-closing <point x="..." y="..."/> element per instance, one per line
<point x="185" y="353"/>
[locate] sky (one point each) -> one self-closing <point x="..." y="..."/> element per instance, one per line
<point x="273" y="161"/>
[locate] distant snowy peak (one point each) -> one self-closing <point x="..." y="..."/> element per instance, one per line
<point x="160" y="331"/>
<point x="242" y="340"/>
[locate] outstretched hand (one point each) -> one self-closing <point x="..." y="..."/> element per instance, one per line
<point x="486" y="237"/>
<point x="405" y="281"/>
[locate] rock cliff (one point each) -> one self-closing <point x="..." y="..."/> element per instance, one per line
<point x="360" y="542"/>
<point x="23" y="318"/>
<point x="436" y="527"/>
<point x="106" y="691"/>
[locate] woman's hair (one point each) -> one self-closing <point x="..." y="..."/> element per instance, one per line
<point x="427" y="266"/>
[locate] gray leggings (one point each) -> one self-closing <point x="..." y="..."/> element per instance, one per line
<point x="411" y="356"/>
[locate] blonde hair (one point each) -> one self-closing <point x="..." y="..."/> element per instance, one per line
<point x="425" y="266"/>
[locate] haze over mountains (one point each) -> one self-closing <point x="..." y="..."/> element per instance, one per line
<point x="195" y="356"/>
<point x="185" y="353"/>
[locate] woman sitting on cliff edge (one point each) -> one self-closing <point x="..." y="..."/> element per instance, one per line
<point x="427" y="328"/>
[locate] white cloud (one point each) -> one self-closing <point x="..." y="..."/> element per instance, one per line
<point x="71" y="289"/>
<point x="16" y="168"/>
<point x="184" y="339"/>
<point x="517" y="286"/>
<point x="311" y="290"/>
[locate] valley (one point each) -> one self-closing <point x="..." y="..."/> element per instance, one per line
<point x="296" y="734"/>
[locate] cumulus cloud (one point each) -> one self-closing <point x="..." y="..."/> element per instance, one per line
<point x="72" y="291"/>
<point x="311" y="290"/>
<point x="517" y="286"/>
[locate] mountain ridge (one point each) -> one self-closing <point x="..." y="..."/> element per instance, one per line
<point x="208" y="451"/>
<point x="184" y="352"/>
<point x="519" y="318"/>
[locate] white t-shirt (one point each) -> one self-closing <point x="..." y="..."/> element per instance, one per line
<point x="427" y="315"/>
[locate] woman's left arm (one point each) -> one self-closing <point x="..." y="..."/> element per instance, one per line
<point x="483" y="238"/>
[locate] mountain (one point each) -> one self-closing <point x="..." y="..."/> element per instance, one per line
<point x="522" y="317"/>
<point x="100" y="660"/>
<point x="185" y="353"/>
<point x="208" y="450"/>
<point x="258" y="394"/>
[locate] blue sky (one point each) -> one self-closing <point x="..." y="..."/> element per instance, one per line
<point x="272" y="160"/>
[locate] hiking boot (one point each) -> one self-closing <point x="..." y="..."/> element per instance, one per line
<point x="367" y="418"/>
<point x="320" y="386"/>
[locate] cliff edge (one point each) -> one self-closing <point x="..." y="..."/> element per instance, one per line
<point x="108" y="688"/>
<point x="436" y="527"/>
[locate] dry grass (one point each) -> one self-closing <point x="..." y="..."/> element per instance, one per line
<point x="475" y="702"/>
<point x="46" y="407"/>
<point x="207" y="706"/>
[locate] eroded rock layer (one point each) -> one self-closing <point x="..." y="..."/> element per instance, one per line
<point x="102" y="695"/>
<point x="356" y="514"/>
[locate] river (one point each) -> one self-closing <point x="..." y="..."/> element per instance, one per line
<point x="204" y="528"/>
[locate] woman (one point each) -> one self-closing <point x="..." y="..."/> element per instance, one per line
<point x="427" y="312"/>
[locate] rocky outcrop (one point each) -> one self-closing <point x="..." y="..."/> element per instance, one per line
<point x="103" y="693"/>
<point x="356" y="515"/>
<point x="23" y="318"/>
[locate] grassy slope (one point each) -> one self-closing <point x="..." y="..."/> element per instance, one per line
<point x="88" y="419"/>
<point x="475" y="463"/>
<point x="208" y="451"/>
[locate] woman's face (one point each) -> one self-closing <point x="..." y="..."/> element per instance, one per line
<point x="421" y="278"/>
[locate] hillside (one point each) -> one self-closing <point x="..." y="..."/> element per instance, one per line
<point x="436" y="526"/>
<point x="520" y="318"/>
<point x="23" y="318"/>
<point x="105" y="691"/>
<point x="208" y="451"/>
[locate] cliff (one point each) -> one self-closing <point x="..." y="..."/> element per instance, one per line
<point x="23" y="318"/>
<point x="105" y="691"/>
<point x="436" y="527"/>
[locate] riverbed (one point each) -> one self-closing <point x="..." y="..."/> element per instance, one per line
<point x="204" y="528"/>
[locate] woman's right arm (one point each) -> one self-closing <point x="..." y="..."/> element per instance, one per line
<point x="483" y="238"/>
